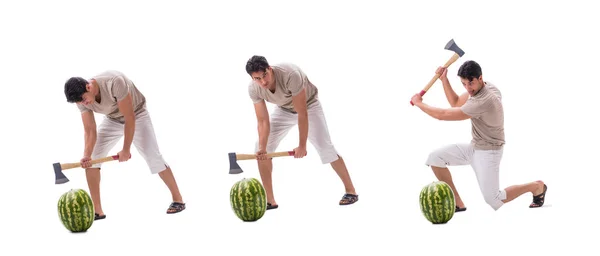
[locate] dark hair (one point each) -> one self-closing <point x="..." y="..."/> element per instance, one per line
<point x="75" y="87"/>
<point x="256" y="63"/>
<point x="469" y="70"/>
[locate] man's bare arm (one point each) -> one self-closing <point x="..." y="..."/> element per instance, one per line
<point x="264" y="126"/>
<point x="89" y="128"/>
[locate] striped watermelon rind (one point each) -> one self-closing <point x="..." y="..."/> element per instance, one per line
<point x="76" y="210"/>
<point x="248" y="199"/>
<point x="437" y="202"/>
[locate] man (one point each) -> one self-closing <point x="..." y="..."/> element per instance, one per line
<point x="288" y="87"/>
<point x="112" y="93"/>
<point x="482" y="103"/>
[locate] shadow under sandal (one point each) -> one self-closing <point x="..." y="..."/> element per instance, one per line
<point x="538" y="200"/>
<point x="176" y="207"/>
<point x="348" y="199"/>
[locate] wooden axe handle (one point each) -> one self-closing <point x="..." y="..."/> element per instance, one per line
<point x="253" y="156"/>
<point x="66" y="166"/>
<point x="437" y="76"/>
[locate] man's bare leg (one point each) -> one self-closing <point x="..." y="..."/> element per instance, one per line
<point x="443" y="174"/>
<point x="169" y="179"/>
<point x="93" y="180"/>
<point x="265" y="167"/>
<point x="342" y="171"/>
<point x="535" y="188"/>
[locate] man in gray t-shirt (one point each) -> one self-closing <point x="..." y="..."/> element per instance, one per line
<point x="114" y="95"/>
<point x="482" y="104"/>
<point x="296" y="98"/>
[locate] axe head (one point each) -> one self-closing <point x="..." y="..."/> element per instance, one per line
<point x="451" y="45"/>
<point x="234" y="167"/>
<point x="60" y="177"/>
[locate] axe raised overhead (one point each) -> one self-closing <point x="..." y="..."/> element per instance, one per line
<point x="451" y="45"/>
<point x="234" y="167"/>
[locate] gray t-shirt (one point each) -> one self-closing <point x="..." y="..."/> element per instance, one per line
<point x="114" y="86"/>
<point x="487" y="118"/>
<point x="289" y="81"/>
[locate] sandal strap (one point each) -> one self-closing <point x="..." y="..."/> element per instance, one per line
<point x="539" y="199"/>
<point x="177" y="205"/>
<point x="350" y="197"/>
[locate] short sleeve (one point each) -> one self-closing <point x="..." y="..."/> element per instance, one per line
<point x="82" y="108"/>
<point x="295" y="83"/>
<point x="474" y="107"/>
<point x="254" y="94"/>
<point x="119" y="88"/>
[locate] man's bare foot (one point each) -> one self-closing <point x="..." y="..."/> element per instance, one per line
<point x="540" y="188"/>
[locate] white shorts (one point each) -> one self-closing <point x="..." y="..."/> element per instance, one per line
<point x="318" y="133"/>
<point x="144" y="139"/>
<point x="485" y="163"/>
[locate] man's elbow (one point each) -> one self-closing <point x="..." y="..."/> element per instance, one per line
<point x="453" y="103"/>
<point x="90" y="130"/>
<point x="263" y="123"/>
<point x="303" y="115"/>
<point x="301" y="111"/>
<point x="440" y="115"/>
<point x="130" y="118"/>
<point x="446" y="115"/>
<point x="450" y="115"/>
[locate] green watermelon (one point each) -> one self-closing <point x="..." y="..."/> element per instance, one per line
<point x="437" y="202"/>
<point x="248" y="199"/>
<point x="76" y="210"/>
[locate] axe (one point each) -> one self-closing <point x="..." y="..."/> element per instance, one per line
<point x="234" y="168"/>
<point x="451" y="45"/>
<point x="58" y="167"/>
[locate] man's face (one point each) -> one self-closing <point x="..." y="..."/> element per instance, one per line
<point x="88" y="97"/>
<point x="472" y="86"/>
<point x="264" y="79"/>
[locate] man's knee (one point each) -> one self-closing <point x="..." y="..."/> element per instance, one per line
<point x="92" y="170"/>
<point x="450" y="155"/>
<point x="494" y="200"/>
<point x="435" y="159"/>
<point x="329" y="158"/>
<point x="495" y="204"/>
<point x="326" y="151"/>
<point x="160" y="170"/>
<point x="157" y="165"/>
<point x="154" y="160"/>
<point x="99" y="152"/>
<point x="271" y="146"/>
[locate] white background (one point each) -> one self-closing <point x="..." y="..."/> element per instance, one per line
<point x="366" y="58"/>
